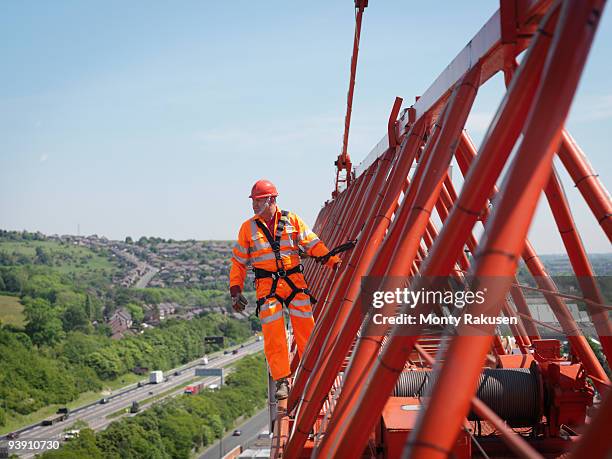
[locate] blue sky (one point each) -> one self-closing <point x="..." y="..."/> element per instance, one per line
<point x="155" y="118"/>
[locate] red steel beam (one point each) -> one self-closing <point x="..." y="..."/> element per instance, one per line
<point x="358" y="260"/>
<point x="344" y="160"/>
<point x="596" y="441"/>
<point x="546" y="284"/>
<point x="507" y="229"/>
<point x="449" y="196"/>
<point x="486" y="49"/>
<point x="333" y="353"/>
<point x="377" y="384"/>
<point x="425" y="187"/>
<point x="587" y="182"/>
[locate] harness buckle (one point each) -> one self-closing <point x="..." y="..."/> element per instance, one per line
<point x="275" y="246"/>
<point x="281" y="273"/>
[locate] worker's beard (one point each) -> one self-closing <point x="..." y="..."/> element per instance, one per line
<point x="262" y="208"/>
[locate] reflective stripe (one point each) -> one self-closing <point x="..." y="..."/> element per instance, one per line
<point x="253" y="228"/>
<point x="288" y="250"/>
<point x="296" y="313"/>
<point x="240" y="248"/>
<point x="264" y="257"/>
<point x="305" y="234"/>
<point x="312" y="243"/>
<point x="266" y="306"/>
<point x="239" y="259"/>
<point x="262" y="244"/>
<point x="304" y="302"/>
<point x="272" y="318"/>
<point x="259" y="242"/>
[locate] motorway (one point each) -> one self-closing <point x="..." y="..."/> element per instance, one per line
<point x="249" y="431"/>
<point x="95" y="415"/>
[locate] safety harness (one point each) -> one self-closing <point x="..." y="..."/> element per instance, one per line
<point x="281" y="272"/>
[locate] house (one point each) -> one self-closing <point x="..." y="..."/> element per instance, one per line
<point x="166" y="309"/>
<point x="120" y="321"/>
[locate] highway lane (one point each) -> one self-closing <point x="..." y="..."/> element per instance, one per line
<point x="96" y="415"/>
<point x="249" y="431"/>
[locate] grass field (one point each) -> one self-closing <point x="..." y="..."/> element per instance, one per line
<point x="11" y="311"/>
<point x="67" y="258"/>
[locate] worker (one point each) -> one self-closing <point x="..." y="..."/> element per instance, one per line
<point x="271" y="242"/>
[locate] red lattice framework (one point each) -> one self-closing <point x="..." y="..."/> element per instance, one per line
<point x="340" y="404"/>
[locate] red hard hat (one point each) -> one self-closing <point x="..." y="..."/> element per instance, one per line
<point x="263" y="189"/>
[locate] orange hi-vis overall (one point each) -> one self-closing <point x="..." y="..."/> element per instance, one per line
<point x="279" y="280"/>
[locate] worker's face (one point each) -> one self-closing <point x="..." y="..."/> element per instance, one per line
<point x="263" y="206"/>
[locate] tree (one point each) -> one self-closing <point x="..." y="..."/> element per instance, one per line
<point x="15" y="279"/>
<point x="129" y="240"/>
<point x="42" y="257"/>
<point x="136" y="312"/>
<point x="42" y="323"/>
<point x="75" y="318"/>
<point x="83" y="446"/>
<point x="89" y="309"/>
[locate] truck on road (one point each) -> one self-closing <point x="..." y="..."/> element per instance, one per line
<point x="54" y="419"/>
<point x="156" y="377"/>
<point x="194" y="388"/>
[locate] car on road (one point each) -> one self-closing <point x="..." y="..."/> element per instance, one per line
<point x="71" y="435"/>
<point x="235" y="351"/>
<point x="226" y="352"/>
<point x="150" y="392"/>
<point x="237" y="433"/>
<point x="13" y="435"/>
<point x="176" y="373"/>
<point x="103" y="401"/>
<point x="62" y="410"/>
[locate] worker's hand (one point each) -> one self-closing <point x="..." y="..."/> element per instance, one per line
<point x="336" y="266"/>
<point x="239" y="302"/>
<point x="334" y="262"/>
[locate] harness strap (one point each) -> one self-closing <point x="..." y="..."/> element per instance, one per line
<point x="263" y="273"/>
<point x="280" y="272"/>
<point x="348" y="245"/>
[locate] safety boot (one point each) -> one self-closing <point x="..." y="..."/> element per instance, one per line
<point x="282" y="389"/>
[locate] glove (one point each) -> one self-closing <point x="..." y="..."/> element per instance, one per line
<point x="239" y="302"/>
<point x="333" y="262"/>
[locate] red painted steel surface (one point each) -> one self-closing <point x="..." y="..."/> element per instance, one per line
<point x="340" y="403"/>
